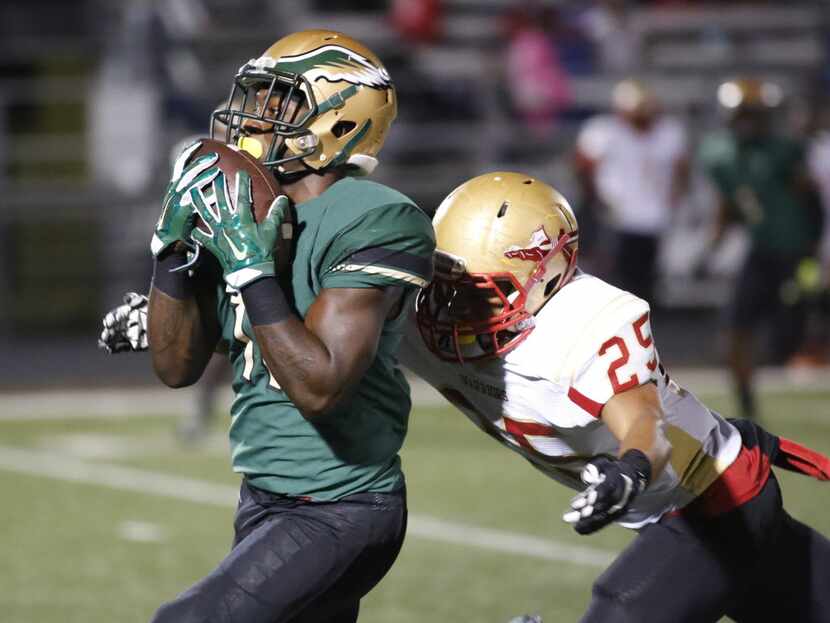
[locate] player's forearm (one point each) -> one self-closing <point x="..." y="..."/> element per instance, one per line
<point x="646" y="434"/>
<point x="306" y="369"/>
<point x="179" y="343"/>
<point x="302" y="365"/>
<point x="635" y="418"/>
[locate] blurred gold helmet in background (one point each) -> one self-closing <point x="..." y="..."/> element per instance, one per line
<point x="633" y="96"/>
<point x="749" y="93"/>
<point x="505" y="244"/>
<point x="635" y="102"/>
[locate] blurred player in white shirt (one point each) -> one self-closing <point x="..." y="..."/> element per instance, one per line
<point x="633" y="164"/>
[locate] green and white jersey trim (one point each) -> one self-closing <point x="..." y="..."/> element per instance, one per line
<point x="383" y="271"/>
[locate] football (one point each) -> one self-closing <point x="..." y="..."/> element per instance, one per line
<point x="264" y="186"/>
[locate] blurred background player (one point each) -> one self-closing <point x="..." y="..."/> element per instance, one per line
<point x="632" y="166"/>
<point x="763" y="184"/>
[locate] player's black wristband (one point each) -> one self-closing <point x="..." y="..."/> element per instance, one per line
<point x="637" y="460"/>
<point x="265" y="302"/>
<point x="176" y="285"/>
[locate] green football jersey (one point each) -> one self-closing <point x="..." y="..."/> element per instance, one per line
<point x="758" y="178"/>
<point x="357" y="234"/>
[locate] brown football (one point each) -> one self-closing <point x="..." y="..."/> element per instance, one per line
<point x="264" y="186"/>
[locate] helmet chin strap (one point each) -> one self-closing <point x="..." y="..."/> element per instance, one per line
<point x="289" y="177"/>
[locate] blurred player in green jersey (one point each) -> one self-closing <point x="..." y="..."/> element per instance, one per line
<point x="762" y="182"/>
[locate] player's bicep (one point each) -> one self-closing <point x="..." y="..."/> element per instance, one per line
<point x="349" y="322"/>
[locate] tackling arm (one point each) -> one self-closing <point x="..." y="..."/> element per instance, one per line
<point x="635" y="418"/>
<point x="619" y="382"/>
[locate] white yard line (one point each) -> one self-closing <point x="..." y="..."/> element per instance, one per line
<point x="507" y="542"/>
<point x="160" y="401"/>
<point x="50" y="465"/>
<point x="96" y="403"/>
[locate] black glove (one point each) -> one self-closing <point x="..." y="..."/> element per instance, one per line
<point x="612" y="486"/>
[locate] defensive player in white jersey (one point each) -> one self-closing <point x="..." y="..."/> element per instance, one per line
<point x="562" y="368"/>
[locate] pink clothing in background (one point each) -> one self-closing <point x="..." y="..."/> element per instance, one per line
<point x="537" y="81"/>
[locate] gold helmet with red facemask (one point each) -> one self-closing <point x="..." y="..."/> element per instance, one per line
<point x="505" y="244"/>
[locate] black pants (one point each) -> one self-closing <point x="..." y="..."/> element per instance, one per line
<point x="297" y="561"/>
<point x="754" y="564"/>
<point x="758" y="297"/>
<point x="635" y="264"/>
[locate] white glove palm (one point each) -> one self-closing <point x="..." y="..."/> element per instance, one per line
<point x="125" y="327"/>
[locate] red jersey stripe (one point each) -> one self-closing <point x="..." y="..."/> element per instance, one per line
<point x="795" y="457"/>
<point x="741" y="482"/>
<point x="585" y="403"/>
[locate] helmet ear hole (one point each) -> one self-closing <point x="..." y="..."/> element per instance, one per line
<point x="550" y="286"/>
<point x="343" y="127"/>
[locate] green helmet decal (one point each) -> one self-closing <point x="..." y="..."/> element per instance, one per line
<point x="344" y="154"/>
<point x="332" y="63"/>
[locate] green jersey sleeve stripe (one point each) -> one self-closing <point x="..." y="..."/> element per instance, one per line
<point x="392" y="258"/>
<point x="374" y="269"/>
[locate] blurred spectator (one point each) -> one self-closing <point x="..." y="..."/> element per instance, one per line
<point x="148" y="93"/>
<point x="633" y="169"/>
<point x="148" y="81"/>
<point x="617" y="39"/>
<point x="536" y="79"/>
<point x="195" y="425"/>
<point x="763" y="183"/>
<point x="817" y="294"/>
<point x="819" y="163"/>
<point x="4" y="166"/>
<point x="418" y="21"/>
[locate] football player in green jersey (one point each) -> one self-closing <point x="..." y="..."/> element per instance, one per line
<point x="321" y="408"/>
<point x="762" y="181"/>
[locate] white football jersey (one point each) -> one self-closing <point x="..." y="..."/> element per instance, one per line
<point x="623" y="154"/>
<point x="544" y="398"/>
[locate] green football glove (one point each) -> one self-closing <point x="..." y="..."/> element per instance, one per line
<point x="177" y="217"/>
<point x="245" y="249"/>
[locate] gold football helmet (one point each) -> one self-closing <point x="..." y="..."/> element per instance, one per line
<point x="505" y="244"/>
<point x="634" y="97"/>
<point x="317" y="96"/>
<point x="749" y="93"/>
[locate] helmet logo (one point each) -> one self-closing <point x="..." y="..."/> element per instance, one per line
<point x="335" y="63"/>
<point x="536" y="249"/>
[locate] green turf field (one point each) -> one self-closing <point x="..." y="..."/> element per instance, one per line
<point x="93" y="528"/>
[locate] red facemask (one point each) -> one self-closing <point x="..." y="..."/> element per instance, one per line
<point x="464" y="337"/>
<point x="472" y="339"/>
